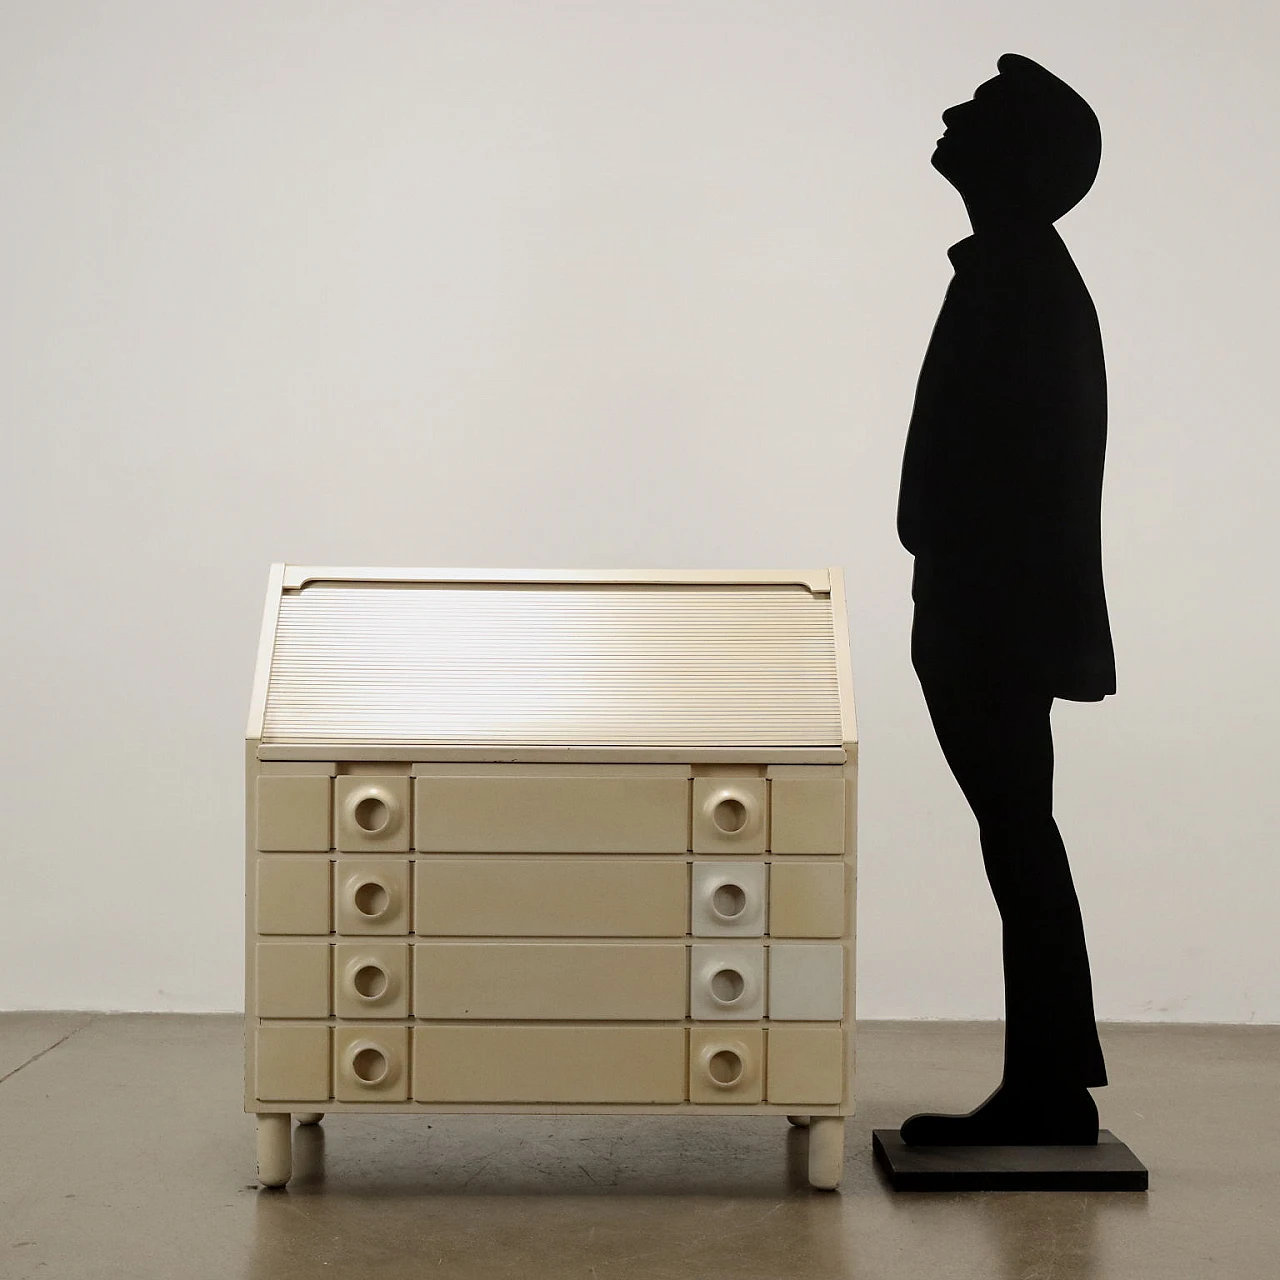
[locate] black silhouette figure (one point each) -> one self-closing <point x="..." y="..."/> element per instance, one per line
<point x="1001" y="507"/>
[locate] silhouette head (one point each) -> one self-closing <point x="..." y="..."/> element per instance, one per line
<point x="1025" y="149"/>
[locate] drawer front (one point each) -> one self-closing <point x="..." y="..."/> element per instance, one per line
<point x="806" y="982"/>
<point x="726" y="980"/>
<point x="371" y="814"/>
<point x="371" y="980"/>
<point x="591" y="897"/>
<point x="729" y="899"/>
<point x="293" y="895"/>
<point x="807" y="815"/>
<point x="726" y="1066"/>
<point x="549" y="1064"/>
<point x="476" y="814"/>
<point x="293" y="813"/>
<point x="292" y="1064"/>
<point x="371" y="1063"/>
<point x="292" y="980"/>
<point x="628" y="981"/>
<point x="371" y="895"/>
<point x="730" y="815"/>
<point x="806" y="1065"/>
<point x="806" y="899"/>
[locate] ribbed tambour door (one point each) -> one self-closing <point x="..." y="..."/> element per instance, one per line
<point x="554" y="663"/>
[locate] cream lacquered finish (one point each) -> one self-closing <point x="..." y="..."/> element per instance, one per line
<point x="549" y="1064"/>
<point x="807" y="899"/>
<point x="618" y="814"/>
<point x="543" y="841"/>
<point x="555" y="981"/>
<point x="546" y="897"/>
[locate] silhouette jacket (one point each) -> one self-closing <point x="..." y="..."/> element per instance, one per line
<point x="1001" y="492"/>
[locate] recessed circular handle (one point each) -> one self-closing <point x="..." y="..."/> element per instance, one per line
<point x="724" y="1066"/>
<point x="371" y="814"/>
<point x="729" y="815"/>
<point x="369" y="1065"/>
<point x="370" y="981"/>
<point x="729" y="901"/>
<point x="727" y="985"/>
<point x="372" y="898"/>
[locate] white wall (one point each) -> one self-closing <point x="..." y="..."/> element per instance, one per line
<point x="605" y="284"/>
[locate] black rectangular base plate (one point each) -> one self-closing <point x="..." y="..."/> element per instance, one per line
<point x="1110" y="1166"/>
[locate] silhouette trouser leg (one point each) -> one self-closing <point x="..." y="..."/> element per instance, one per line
<point x="999" y="745"/>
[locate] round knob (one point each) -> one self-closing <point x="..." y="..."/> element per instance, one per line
<point x="724" y="1066"/>
<point x="369" y="1065"/>
<point x="371" y="814"/>
<point x="729" y="901"/>
<point x="372" y="898"/>
<point x="727" y="985"/>
<point x="729" y="815"/>
<point x="370" y="981"/>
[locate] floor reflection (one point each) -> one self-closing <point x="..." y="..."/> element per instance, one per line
<point x="553" y="1197"/>
<point x="1058" y="1234"/>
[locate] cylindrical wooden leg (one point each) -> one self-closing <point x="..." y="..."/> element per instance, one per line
<point x="826" y="1151"/>
<point x="309" y="1117"/>
<point x="275" y="1149"/>
<point x="800" y="1122"/>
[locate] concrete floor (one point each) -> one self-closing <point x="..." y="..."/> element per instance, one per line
<point x="124" y="1152"/>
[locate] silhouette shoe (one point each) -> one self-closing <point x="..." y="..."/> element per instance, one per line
<point x="1014" y="1118"/>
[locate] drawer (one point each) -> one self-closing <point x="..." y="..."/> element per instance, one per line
<point x="588" y="897"/>
<point x="626" y="981"/>
<point x="806" y="899"/>
<point x="728" y="899"/>
<point x="293" y="813"/>
<point x="371" y="814"/>
<point x="371" y="1063"/>
<point x="806" y="981"/>
<point x="292" y="980"/>
<point x="730" y="815"/>
<point x="549" y="1064"/>
<point x="806" y="1065"/>
<point x="371" y="980"/>
<point x="293" y="895"/>
<point x="807" y="815"/>
<point x="726" y="981"/>
<point x="726" y="1065"/>
<point x="292" y="1064"/>
<point x="371" y="895"/>
<point x="599" y="814"/>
